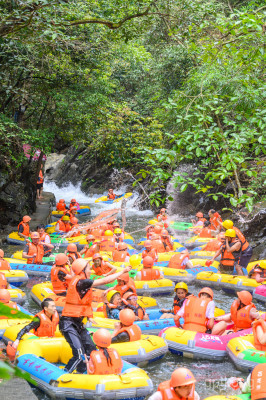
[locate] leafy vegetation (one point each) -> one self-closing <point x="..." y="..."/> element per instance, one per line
<point x="146" y="85"/>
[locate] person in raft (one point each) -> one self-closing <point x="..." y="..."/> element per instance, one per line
<point x="4" y="265"/>
<point x="79" y="305"/>
<point x="242" y="313"/>
<point x="198" y="312"/>
<point x="44" y="323"/>
<point x="126" y="331"/>
<point x="24" y="227"/>
<point x="181" y="293"/>
<point x="255" y="383"/>
<point x="40" y="184"/>
<point x="181" y="386"/>
<point x="111" y="195"/>
<point x="34" y="251"/>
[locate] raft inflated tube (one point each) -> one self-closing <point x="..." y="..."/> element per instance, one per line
<point x="16" y="278"/>
<point x="17" y="295"/>
<point x="84" y="210"/>
<point x="116" y="200"/>
<point x="244" y="354"/>
<point x="14" y="238"/>
<point x="154" y="287"/>
<point x="39" y="359"/>
<point x="260" y="293"/>
<point x="229" y="283"/>
<point x="235" y="397"/>
<point x="31" y="269"/>
<point x="204" y="255"/>
<point x="197" y="241"/>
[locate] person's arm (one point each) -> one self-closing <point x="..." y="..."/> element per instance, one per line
<point x="32" y="325"/>
<point x="121" y="338"/>
<point x="235" y="247"/>
<point x="217" y="254"/>
<point x="48" y="245"/>
<point x="156" y="396"/>
<point x="57" y="227"/>
<point x="20" y="230"/>
<point x="254" y="314"/>
<point x="210" y="314"/>
<point x="246" y="386"/>
<point x="110" y="278"/>
<point x="261" y="335"/>
<point x="225" y="317"/>
<point x="112" y="271"/>
<point x="62" y="276"/>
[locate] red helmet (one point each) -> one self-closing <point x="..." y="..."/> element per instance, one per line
<point x="61" y="259"/>
<point x="199" y="214"/>
<point x="90" y="237"/>
<point x="97" y="255"/>
<point x="73" y="200"/>
<point x="61" y="201"/>
<point x="147" y="243"/>
<point x="79" y="265"/>
<point x="26" y="218"/>
<point x="102" y="338"/>
<point x="72" y="248"/>
<point x="245" y="297"/>
<point x="164" y="232"/>
<point x="127" y="317"/>
<point x="124" y="277"/>
<point x="122" y="246"/>
<point x="1" y="253"/>
<point x="4" y="296"/>
<point x="148" y="262"/>
<point x="34" y="235"/>
<point x="206" y="290"/>
<point x="74" y="221"/>
<point x="182" y="377"/>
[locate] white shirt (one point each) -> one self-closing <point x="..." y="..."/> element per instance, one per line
<point x="209" y="311"/>
<point x="158" y="396"/>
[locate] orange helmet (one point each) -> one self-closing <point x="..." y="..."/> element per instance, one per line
<point x="206" y="290"/>
<point x="72" y="248"/>
<point x="162" y="210"/>
<point x="102" y="338"/>
<point x="124" y="277"/>
<point x="74" y="221"/>
<point x="90" y="237"/>
<point x="147" y="243"/>
<point x="1" y="253"/>
<point x="79" y="265"/>
<point x="73" y="200"/>
<point x="245" y="297"/>
<point x="127" y="317"/>
<point x="122" y="246"/>
<point x="61" y="201"/>
<point x="97" y="255"/>
<point x="157" y="229"/>
<point x="199" y="214"/>
<point x="127" y="295"/>
<point x="164" y="232"/>
<point x="26" y="218"/>
<point x="116" y="224"/>
<point x="148" y="262"/>
<point x="34" y="235"/>
<point x="61" y="259"/>
<point x="4" y="296"/>
<point x="182" y="377"/>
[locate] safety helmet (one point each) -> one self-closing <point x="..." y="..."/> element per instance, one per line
<point x="73" y="200"/>
<point x="157" y="228"/>
<point x="34" y="235"/>
<point x="262" y="264"/>
<point x="134" y="260"/>
<point x="111" y="294"/>
<point x="245" y="297"/>
<point x="102" y="338"/>
<point x="61" y="259"/>
<point x="148" y="262"/>
<point x="118" y="230"/>
<point x="182" y="377"/>
<point x="147" y="243"/>
<point x="73" y="208"/>
<point x="1" y="253"/>
<point x="72" y="248"/>
<point x="26" y="218"/>
<point x="127" y="317"/>
<point x="124" y="277"/>
<point x="89" y="238"/>
<point x="108" y="233"/>
<point x="162" y="210"/>
<point x="96" y="255"/>
<point x="127" y="295"/>
<point x="79" y="265"/>
<point x="65" y="218"/>
<point x="74" y="221"/>
<point x="228" y="224"/>
<point x="61" y="201"/>
<point x="230" y="233"/>
<point x="4" y="296"/>
<point x="164" y="232"/>
<point x="199" y="214"/>
<point x="181" y="285"/>
<point x="122" y="246"/>
<point x="206" y="290"/>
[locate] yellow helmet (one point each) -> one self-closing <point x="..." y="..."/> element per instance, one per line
<point x="111" y="294"/>
<point x="227" y="224"/>
<point x="118" y="230"/>
<point x="134" y="260"/>
<point x="230" y="233"/>
<point x="263" y="264"/>
<point x="65" y="218"/>
<point x="108" y="233"/>
<point x="181" y="285"/>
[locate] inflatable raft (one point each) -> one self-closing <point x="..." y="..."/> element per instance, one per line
<point x="235" y="397"/>
<point x="196" y="241"/>
<point x="44" y="360"/>
<point x="17" y="295"/>
<point x="14" y="238"/>
<point x="84" y="210"/>
<point x="16" y="278"/>
<point x="259" y="293"/>
<point x="116" y="200"/>
<point x="243" y="353"/>
<point x="229" y="283"/>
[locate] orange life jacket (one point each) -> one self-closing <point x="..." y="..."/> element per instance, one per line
<point x="3" y="281"/>
<point x="178" y="303"/>
<point x="4" y="264"/>
<point x="121" y="256"/>
<point x="107" y="244"/>
<point x="95" y="248"/>
<point x="101" y="367"/>
<point x="40" y="177"/>
<point x="213" y="245"/>
<point x="10" y="304"/>
<point x="75" y="306"/>
<point x="158" y="245"/>
<point x="60" y="206"/>
<point x="242" y="238"/>
<point x="63" y="227"/>
<point x="167" y="244"/>
<point x="257" y="343"/>
<point x="97" y="233"/>
<point x="214" y="224"/>
<point x="152" y="253"/>
<point x="205" y="233"/>
<point x="59" y="286"/>
<point x="26" y="228"/>
<point x="44" y="235"/>
<point x="229" y="259"/>
<point x="111" y="196"/>
<point x="177" y="259"/>
<point x="102" y="269"/>
<point x="258" y="382"/>
<point x="168" y="392"/>
<point x="140" y="312"/>
<point x="241" y="318"/>
<point x="130" y="286"/>
<point x="133" y="331"/>
<point x="73" y="256"/>
<point x="35" y="249"/>
<point x="47" y="326"/>
<point x="162" y="217"/>
<point x="195" y="314"/>
<point x="149" y="274"/>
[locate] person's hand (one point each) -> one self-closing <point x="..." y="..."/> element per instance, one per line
<point x="92" y="321"/>
<point x="176" y="317"/>
<point x="127" y="269"/>
<point x="137" y="318"/>
<point x="15" y="344"/>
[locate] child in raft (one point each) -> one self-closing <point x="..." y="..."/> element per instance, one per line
<point x="130" y="300"/>
<point x="181" y="293"/>
<point x="114" y="304"/>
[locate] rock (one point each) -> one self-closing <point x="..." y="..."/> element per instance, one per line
<point x="52" y="165"/>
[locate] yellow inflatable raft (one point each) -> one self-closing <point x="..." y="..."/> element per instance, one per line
<point x="17" y="295"/>
<point x="233" y="283"/>
<point x="15" y="277"/>
<point x="197" y="241"/>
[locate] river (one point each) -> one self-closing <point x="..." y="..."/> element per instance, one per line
<point x="211" y="376"/>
